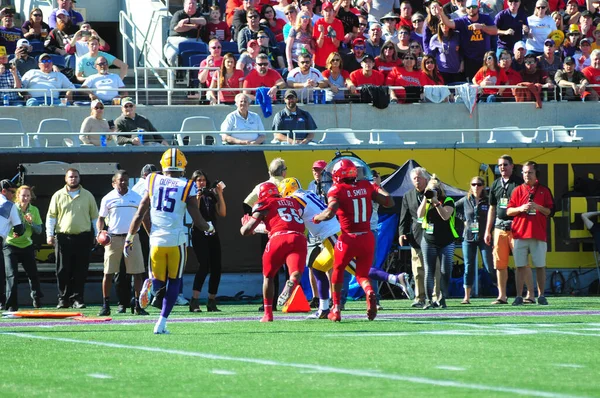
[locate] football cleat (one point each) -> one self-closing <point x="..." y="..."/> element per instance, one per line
<point x="285" y="293"/>
<point x="267" y="318"/>
<point x="181" y="300"/>
<point x="403" y="281"/>
<point x="161" y="327"/>
<point x="371" y="305"/>
<point x="146" y="293"/>
<point x="320" y="314"/>
<point x="335" y="315"/>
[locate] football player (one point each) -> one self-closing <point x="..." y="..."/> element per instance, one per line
<point x="167" y="198"/>
<point x="351" y="201"/>
<point x="287" y="243"/>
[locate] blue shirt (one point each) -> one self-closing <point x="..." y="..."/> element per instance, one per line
<point x="504" y="20"/>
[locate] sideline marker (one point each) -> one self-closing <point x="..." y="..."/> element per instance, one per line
<point x="297" y="302"/>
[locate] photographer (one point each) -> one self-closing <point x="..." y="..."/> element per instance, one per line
<point x="9" y="77"/>
<point x="207" y="246"/>
<point x="22" y="60"/>
<point x="438" y="238"/>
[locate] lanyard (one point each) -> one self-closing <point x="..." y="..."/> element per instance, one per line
<point x="505" y="187"/>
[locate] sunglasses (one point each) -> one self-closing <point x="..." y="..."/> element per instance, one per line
<point x="262" y="37"/>
<point x="573" y="34"/>
<point x="540" y="8"/>
<point x="262" y="64"/>
<point x="99" y="107"/>
<point x="304" y="17"/>
<point x="415" y="46"/>
<point x="403" y="32"/>
<point x="304" y="62"/>
<point x="128" y="106"/>
<point x="46" y="61"/>
<point x="476" y="184"/>
<point x="417" y="21"/>
<point x="429" y="63"/>
<point x="36" y="15"/>
<point x="549" y="44"/>
<point x="359" y="47"/>
<point x="409" y="59"/>
<point x="102" y="64"/>
<point x="215" y="47"/>
<point x="362" y="24"/>
<point x="530" y="62"/>
<point x="252" y="16"/>
<point x="503" y="164"/>
<point x="336" y="60"/>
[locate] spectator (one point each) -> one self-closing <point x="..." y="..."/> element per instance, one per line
<point x="418" y="25"/>
<point x="558" y="20"/>
<point x="19" y="222"/>
<point x="214" y="60"/>
<point x="85" y="64"/>
<point x="549" y="61"/>
<point x="405" y="14"/>
<point x="328" y="33"/>
<point x="431" y="23"/>
<point x="242" y="120"/>
<point x="238" y="19"/>
<point x="346" y="14"/>
<point x="490" y="74"/>
<point x="247" y="61"/>
<point x="367" y="74"/>
<point x="107" y="84"/>
<point x="353" y="59"/>
<point x="475" y="30"/>
<point x="95" y="123"/>
<point x="592" y="72"/>
<point x="337" y="78"/>
<point x="272" y="51"/>
<point x="473" y="211"/>
<point x="583" y="59"/>
<point x="512" y="25"/>
<point x="281" y="9"/>
<point x="431" y="74"/>
<point x="59" y="37"/>
<point x="317" y="185"/>
<point x="571" y="14"/>
<point x="445" y="46"/>
<point x="438" y="238"/>
<point x="291" y="13"/>
<point x="388" y="59"/>
<point x="416" y="50"/>
<point x="207" y="246"/>
<point x="269" y="19"/>
<point x="408" y="79"/>
<point x="403" y="41"/>
<point x="461" y="10"/>
<point x="540" y="26"/>
<point x="388" y="31"/>
<point x="78" y="44"/>
<point x="22" y="60"/>
<point x="292" y="118"/>
<point x="586" y="25"/>
<point x="228" y="77"/>
<point x="362" y="26"/>
<point x="216" y="28"/>
<point x="571" y="43"/>
<point x="130" y="121"/>
<point x="452" y="6"/>
<point x="492" y="7"/>
<point x="9" y="34"/>
<point x="186" y="25"/>
<point x="71" y="214"/>
<point x="263" y="76"/>
<point x="10" y="77"/>
<point x="374" y="42"/>
<point x="519" y="52"/>
<point x="572" y="82"/>
<point x="534" y="80"/>
<point x="35" y="28"/>
<point x="512" y="76"/>
<point x="378" y="8"/>
<point x="299" y="39"/>
<point x="308" y="6"/>
<point x="67" y="5"/>
<point x="250" y="31"/>
<point x="596" y="43"/>
<point x="530" y="204"/>
<point x="45" y="78"/>
<point x="305" y="77"/>
<point x="10" y="220"/>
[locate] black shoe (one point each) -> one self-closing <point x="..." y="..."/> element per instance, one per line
<point x="195" y="305"/>
<point x="211" y="306"/>
<point x="442" y="304"/>
<point x="122" y="309"/>
<point x="314" y="302"/>
<point x="105" y="311"/>
<point x="2" y="306"/>
<point x="62" y="304"/>
<point x="12" y="309"/>
<point x="140" y="311"/>
<point x="157" y="302"/>
<point x="79" y="305"/>
<point x="37" y="303"/>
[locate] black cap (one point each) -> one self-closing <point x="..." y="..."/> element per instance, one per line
<point x="291" y="93"/>
<point x="569" y="60"/>
<point x="368" y="56"/>
<point x="7" y="184"/>
<point x="147" y="169"/>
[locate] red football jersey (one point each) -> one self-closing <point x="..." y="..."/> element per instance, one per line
<point x="283" y="215"/>
<point x="355" y="205"/>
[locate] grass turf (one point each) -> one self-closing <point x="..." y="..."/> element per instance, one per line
<point x="464" y="351"/>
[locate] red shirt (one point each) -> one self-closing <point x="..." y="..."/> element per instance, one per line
<point x="218" y="30"/>
<point x="283" y="215"/>
<point x="355" y="203"/>
<point x="254" y="80"/>
<point x="278" y="30"/>
<point x="427" y="81"/>
<point x="512" y="79"/>
<point x="359" y="79"/>
<point x="399" y="76"/>
<point x="233" y="82"/>
<point x="405" y="22"/>
<point x="498" y="75"/>
<point x="531" y="226"/>
<point x="593" y="76"/>
<point x="386" y="67"/>
<point x="322" y="53"/>
<point x="211" y="73"/>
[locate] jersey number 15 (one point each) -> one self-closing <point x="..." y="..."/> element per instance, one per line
<point x="165" y="201"/>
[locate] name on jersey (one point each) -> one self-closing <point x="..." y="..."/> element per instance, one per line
<point x="168" y="182"/>
<point x="285" y="202"/>
<point x="356" y="192"/>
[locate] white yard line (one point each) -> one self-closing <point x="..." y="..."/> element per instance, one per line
<point x="451" y="368"/>
<point x="100" y="376"/>
<point x="569" y="365"/>
<point x="323" y="369"/>
<point x="222" y="372"/>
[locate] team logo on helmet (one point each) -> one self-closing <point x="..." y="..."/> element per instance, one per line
<point x="267" y="190"/>
<point x="288" y="186"/>
<point x="344" y="169"/>
<point x="173" y="160"/>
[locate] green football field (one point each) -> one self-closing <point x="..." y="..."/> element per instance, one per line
<point x="479" y="351"/>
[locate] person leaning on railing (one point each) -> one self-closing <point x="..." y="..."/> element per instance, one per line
<point x="249" y="123"/>
<point x="130" y="121"/>
<point x="95" y="123"/>
<point x="572" y="82"/>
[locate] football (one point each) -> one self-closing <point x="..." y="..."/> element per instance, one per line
<point x="103" y="238"/>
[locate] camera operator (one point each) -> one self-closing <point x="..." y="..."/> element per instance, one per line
<point x="22" y="61"/>
<point x="438" y="238"/>
<point x="207" y="246"/>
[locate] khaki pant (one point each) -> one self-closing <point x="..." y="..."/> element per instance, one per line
<point x="419" y="276"/>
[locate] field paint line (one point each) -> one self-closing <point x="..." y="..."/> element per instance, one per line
<point x="569" y="365"/>
<point x="223" y="372"/>
<point x="451" y="368"/>
<point x="572" y="333"/>
<point x="320" y="368"/>
<point x="100" y="376"/>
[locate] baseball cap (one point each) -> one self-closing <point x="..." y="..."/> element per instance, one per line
<point x="252" y="43"/>
<point x="44" y="55"/>
<point x="549" y="42"/>
<point x="95" y="102"/>
<point x="7" y="184"/>
<point x="327" y="6"/>
<point x="472" y="3"/>
<point x="62" y="11"/>
<point x="147" y="169"/>
<point x="319" y="164"/>
<point x="367" y="57"/>
<point x="2" y="51"/>
<point x="586" y="14"/>
<point x="572" y="1"/>
<point x="569" y="60"/>
<point x="518" y="45"/>
<point x="586" y="40"/>
<point x="291" y="93"/>
<point x="574" y="28"/>
<point x="127" y="100"/>
<point x="22" y="42"/>
<point x="7" y="11"/>
<point x="358" y="41"/>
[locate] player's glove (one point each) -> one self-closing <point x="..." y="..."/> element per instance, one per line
<point x="315" y="221"/>
<point x="128" y="247"/>
<point x="211" y="229"/>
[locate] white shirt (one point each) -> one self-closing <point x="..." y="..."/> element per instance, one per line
<point x="36" y="79"/>
<point x="120" y="210"/>
<point x="236" y="122"/>
<point x="540" y="29"/>
<point x="106" y="85"/>
<point x="141" y="187"/>
<point x="296" y="75"/>
<point x="9" y="217"/>
<point x="312" y="205"/>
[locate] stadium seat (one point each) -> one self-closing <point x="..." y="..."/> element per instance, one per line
<point x="61" y="134"/>
<point x="12" y="134"/>
<point x="587" y="132"/>
<point x="343" y="136"/>
<point x="195" y="46"/>
<point x="58" y="60"/>
<point x="509" y="135"/>
<point x="555" y="133"/>
<point x="37" y="47"/>
<point x="196" y="124"/>
<point x="383" y="136"/>
<point x="229" y="47"/>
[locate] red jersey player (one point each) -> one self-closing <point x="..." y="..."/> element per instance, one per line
<point x="351" y="200"/>
<point x="287" y="243"/>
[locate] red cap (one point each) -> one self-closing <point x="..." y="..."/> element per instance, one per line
<point x="252" y="43"/>
<point x="359" y="41"/>
<point x="327" y="6"/>
<point x="319" y="164"/>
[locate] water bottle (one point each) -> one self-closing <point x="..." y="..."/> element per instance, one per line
<point x="545" y="96"/>
<point x="315" y="97"/>
<point x="103" y="140"/>
<point x="141" y="136"/>
<point x="322" y="99"/>
<point x="6" y="100"/>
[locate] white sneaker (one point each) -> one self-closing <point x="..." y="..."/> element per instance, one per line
<point x="161" y="327"/>
<point x="181" y="300"/>
<point x="285" y="293"/>
<point x="404" y="284"/>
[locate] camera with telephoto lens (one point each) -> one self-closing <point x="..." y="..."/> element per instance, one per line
<point x="206" y="190"/>
<point x="429" y="193"/>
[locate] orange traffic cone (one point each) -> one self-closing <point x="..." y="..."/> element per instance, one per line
<point x="297" y="302"/>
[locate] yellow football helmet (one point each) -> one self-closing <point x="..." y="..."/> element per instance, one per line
<point x="288" y="186"/>
<point x="173" y="160"/>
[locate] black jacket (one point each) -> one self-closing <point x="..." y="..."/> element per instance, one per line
<point x="409" y="224"/>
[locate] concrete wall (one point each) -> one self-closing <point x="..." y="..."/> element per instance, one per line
<point x="356" y="116"/>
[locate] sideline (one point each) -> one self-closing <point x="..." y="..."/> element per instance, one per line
<point x="319" y="368"/>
